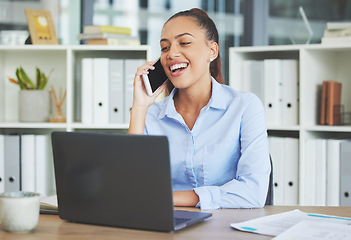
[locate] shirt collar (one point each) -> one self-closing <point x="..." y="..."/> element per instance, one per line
<point x="217" y="100"/>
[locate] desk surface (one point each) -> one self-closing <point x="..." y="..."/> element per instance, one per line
<point x="216" y="227"/>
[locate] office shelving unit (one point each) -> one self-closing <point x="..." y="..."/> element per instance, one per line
<point x="65" y="61"/>
<point x="317" y="63"/>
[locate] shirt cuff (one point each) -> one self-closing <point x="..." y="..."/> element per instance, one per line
<point x="210" y="197"/>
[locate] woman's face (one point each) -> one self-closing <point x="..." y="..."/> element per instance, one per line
<point x="186" y="52"/>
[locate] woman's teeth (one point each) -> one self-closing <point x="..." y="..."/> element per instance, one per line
<point x="178" y="66"/>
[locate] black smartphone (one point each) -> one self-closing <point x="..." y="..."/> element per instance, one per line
<point x="155" y="78"/>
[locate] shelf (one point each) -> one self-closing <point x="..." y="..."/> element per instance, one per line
<point x="33" y="125"/>
<point x="284" y="128"/>
<point x="65" y="61"/>
<point x="74" y="47"/>
<point x="329" y="128"/>
<point x="96" y="126"/>
<point x="317" y="144"/>
<point x="277" y="48"/>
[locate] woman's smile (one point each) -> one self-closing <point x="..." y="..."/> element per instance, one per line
<point x="178" y="68"/>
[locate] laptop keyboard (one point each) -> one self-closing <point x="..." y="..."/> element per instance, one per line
<point x="181" y="220"/>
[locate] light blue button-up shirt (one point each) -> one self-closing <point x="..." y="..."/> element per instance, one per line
<point x="225" y="157"/>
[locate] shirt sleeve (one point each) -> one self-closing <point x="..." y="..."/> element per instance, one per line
<point x="249" y="188"/>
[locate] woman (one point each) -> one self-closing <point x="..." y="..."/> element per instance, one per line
<point x="217" y="136"/>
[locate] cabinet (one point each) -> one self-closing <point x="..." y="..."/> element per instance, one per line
<point x="317" y="63"/>
<point x="65" y="61"/>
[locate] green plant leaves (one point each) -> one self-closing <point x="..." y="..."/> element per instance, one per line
<point x="42" y="80"/>
<point x="26" y="83"/>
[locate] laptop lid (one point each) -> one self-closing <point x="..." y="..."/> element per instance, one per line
<point x="115" y="180"/>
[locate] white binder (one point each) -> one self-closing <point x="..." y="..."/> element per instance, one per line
<point x="12" y="163"/>
<point x="321" y="172"/>
<point x="252" y="78"/>
<point x="131" y="66"/>
<point x="28" y="163"/>
<point x="101" y="90"/>
<point x="309" y="174"/>
<point x="2" y="91"/>
<point x="273" y="91"/>
<point x="291" y="171"/>
<point x="87" y="99"/>
<point x="333" y="172"/>
<point x="276" y="148"/>
<point x="345" y="174"/>
<point x="290" y="106"/>
<point x="116" y="91"/>
<point x="2" y="163"/>
<point x="45" y="184"/>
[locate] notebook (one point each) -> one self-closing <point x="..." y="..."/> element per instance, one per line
<point x="117" y="180"/>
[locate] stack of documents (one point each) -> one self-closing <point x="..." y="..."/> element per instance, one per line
<point x="298" y="225"/>
<point x="49" y="205"/>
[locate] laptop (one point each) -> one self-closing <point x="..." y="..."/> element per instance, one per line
<point x="117" y="180"/>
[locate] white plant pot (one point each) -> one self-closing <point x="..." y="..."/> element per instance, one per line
<point x="34" y="106"/>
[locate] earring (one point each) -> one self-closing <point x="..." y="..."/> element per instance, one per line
<point x="211" y="59"/>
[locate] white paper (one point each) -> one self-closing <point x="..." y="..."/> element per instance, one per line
<point x="273" y="225"/>
<point x="316" y="230"/>
<point x="52" y="201"/>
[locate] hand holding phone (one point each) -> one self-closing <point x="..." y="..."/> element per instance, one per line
<point x="155" y="78"/>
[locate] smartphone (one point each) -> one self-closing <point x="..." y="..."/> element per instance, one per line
<point x="155" y="78"/>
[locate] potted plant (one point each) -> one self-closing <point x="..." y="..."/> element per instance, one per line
<point x="34" y="102"/>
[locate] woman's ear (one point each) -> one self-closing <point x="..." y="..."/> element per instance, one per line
<point x="213" y="50"/>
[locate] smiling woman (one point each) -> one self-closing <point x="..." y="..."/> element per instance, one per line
<point x="217" y="136"/>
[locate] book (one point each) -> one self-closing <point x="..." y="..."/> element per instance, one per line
<point x="333" y="101"/>
<point x="86" y="36"/>
<point x="330" y="103"/>
<point x="344" y="32"/>
<point x="114" y="41"/>
<point x="49" y="205"/>
<point x="107" y="29"/>
<point x="336" y="40"/>
<point x="338" y="25"/>
<point x="323" y="103"/>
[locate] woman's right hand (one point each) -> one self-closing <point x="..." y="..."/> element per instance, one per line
<point x="140" y="97"/>
<point x="141" y="100"/>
